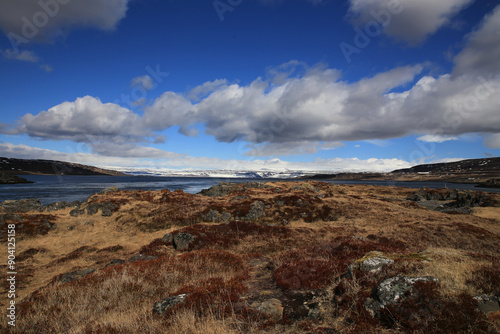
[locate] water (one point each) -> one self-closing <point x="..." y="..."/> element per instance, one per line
<point x="54" y="188"/>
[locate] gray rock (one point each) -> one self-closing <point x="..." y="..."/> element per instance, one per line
<point x="76" y="212"/>
<point x="115" y="262"/>
<point x="374" y="264"/>
<point x="183" y="240"/>
<point x="392" y="291"/>
<point x="74" y="275"/>
<point x="168" y="238"/>
<point x="225" y="217"/>
<point x="163" y="305"/>
<point x="256" y="210"/>
<point x="56" y="206"/>
<point x="212" y="216"/>
<point x="107" y="208"/>
<point x="142" y="257"/>
<point x="22" y="205"/>
<point x="271" y="307"/>
<point x="488" y="304"/>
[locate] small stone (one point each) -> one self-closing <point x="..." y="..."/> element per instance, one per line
<point x="168" y="238"/>
<point x="271" y="307"/>
<point x="163" y="305"/>
<point x="183" y="240"/>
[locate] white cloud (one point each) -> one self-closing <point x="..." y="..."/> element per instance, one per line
<point x="189" y="162"/>
<point x="493" y="141"/>
<point x="43" y="20"/>
<point x="145" y="81"/>
<point x="408" y="20"/>
<point x="482" y="53"/>
<point x="436" y="138"/>
<point x="86" y="120"/>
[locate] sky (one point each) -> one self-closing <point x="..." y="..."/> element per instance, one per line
<point x="323" y="85"/>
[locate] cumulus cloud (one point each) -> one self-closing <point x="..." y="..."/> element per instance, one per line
<point x="27" y="20"/>
<point x="482" y="54"/>
<point x="408" y="20"/>
<point x="86" y="120"/>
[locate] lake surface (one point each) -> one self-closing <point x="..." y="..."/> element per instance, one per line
<point x="54" y="188"/>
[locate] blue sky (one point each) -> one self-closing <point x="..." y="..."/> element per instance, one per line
<point x="250" y="84"/>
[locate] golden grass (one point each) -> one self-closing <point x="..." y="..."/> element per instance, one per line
<point x="121" y="297"/>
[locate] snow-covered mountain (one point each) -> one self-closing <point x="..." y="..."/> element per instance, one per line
<point x="220" y="173"/>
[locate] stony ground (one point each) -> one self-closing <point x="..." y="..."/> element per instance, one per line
<point x="273" y="257"/>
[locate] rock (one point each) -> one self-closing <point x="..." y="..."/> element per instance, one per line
<point x="115" y="262"/>
<point x="107" y="208"/>
<point x="163" y="305"/>
<point x="256" y="210"/>
<point x="21" y="206"/>
<point x="371" y="262"/>
<point x="491" y="183"/>
<point x="225" y="217"/>
<point x="488" y="304"/>
<point x="391" y="291"/>
<point x="211" y="216"/>
<point x="183" y="240"/>
<point x="271" y="307"/>
<point x="374" y="264"/>
<point x="108" y="190"/>
<point x="7" y="178"/>
<point x="168" y="238"/>
<point x="56" y="206"/>
<point x="142" y="257"/>
<point x="74" y="275"/>
<point x="76" y="212"/>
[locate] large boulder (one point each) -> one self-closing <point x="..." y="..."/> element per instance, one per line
<point x="183" y="240"/>
<point x="392" y="291"/>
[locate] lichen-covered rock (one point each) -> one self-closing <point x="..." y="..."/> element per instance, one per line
<point x="183" y="240"/>
<point x="21" y="205"/>
<point x="371" y="262"/>
<point x="107" y="208"/>
<point x="163" y="305"/>
<point x="71" y="276"/>
<point x="256" y="210"/>
<point x="115" y="262"/>
<point x="271" y="307"/>
<point x="168" y="238"/>
<point x="392" y="291"/>
<point x="56" y="206"/>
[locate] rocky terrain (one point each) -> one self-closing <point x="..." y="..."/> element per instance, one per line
<point x="50" y="167"/>
<point x="261" y="257"/>
<point x="7" y="178"/>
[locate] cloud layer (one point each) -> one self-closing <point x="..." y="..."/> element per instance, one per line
<point x="300" y="110"/>
<point x="408" y="20"/>
<point x="44" y="20"/>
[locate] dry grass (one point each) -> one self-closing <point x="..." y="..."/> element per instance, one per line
<point x="309" y="246"/>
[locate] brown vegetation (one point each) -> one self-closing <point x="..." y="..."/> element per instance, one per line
<point x="289" y="241"/>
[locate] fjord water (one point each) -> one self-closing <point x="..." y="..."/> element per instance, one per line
<point x="54" y="188"/>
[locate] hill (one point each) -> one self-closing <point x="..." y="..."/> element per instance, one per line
<point x="269" y="257"/>
<point x="50" y="167"/>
